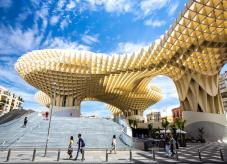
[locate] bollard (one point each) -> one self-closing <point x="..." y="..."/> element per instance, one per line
<point x="106" y="155"/>
<point x="221" y="155"/>
<point x="33" y="156"/>
<point x="200" y="158"/>
<point x="8" y="155"/>
<point x="83" y="155"/>
<point x="130" y="155"/>
<point x="176" y="155"/>
<point x="59" y="154"/>
<point x="153" y="154"/>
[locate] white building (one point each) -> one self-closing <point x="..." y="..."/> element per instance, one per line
<point x="223" y="89"/>
<point x="9" y="101"/>
<point x="154" y="117"/>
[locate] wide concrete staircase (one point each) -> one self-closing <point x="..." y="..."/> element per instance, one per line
<point x="96" y="132"/>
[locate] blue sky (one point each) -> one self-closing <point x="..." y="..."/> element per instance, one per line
<point x="107" y="26"/>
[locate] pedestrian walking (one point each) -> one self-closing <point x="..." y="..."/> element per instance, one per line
<point x="80" y="148"/>
<point x="25" y="121"/>
<point x="172" y="145"/>
<point x="167" y="145"/>
<point x="70" y="147"/>
<point x="46" y="115"/>
<point x="114" y="143"/>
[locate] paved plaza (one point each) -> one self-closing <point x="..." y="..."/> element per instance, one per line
<point x="210" y="153"/>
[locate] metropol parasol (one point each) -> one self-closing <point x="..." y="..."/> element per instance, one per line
<point x="191" y="53"/>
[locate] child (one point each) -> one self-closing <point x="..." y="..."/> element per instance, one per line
<point x="70" y="147"/>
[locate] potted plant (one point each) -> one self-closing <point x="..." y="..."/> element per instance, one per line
<point x="165" y="124"/>
<point x="130" y="122"/>
<point x="180" y="124"/>
<point x="150" y="129"/>
<point x="201" y="133"/>
<point x="135" y="124"/>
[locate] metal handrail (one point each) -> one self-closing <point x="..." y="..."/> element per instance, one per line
<point x="17" y="135"/>
<point x="2" y="145"/>
<point x="17" y="119"/>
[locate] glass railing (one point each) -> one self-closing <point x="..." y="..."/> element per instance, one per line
<point x="126" y="139"/>
<point x="126" y="135"/>
<point x="2" y="145"/>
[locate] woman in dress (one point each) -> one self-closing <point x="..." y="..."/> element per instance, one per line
<point x="70" y="147"/>
<point x="114" y="142"/>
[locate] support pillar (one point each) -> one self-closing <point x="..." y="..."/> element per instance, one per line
<point x="199" y="93"/>
<point x="72" y="108"/>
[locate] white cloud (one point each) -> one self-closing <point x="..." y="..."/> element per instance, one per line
<point x="24" y="15"/>
<point x="154" y="23"/>
<point x="28" y="97"/>
<point x="9" y="75"/>
<point x="170" y="96"/>
<point x="58" y="42"/>
<point x="64" y="24"/>
<point x="166" y="85"/>
<point x="129" y="47"/>
<point x="88" y="39"/>
<point x="42" y="16"/>
<point x="148" y="6"/>
<point x="18" y="41"/>
<point x="71" y="5"/>
<point x="5" y="4"/>
<point x="139" y="8"/>
<point x="61" y="4"/>
<point x="12" y="41"/>
<point x="172" y="8"/>
<point x="117" y="6"/>
<point x="54" y="20"/>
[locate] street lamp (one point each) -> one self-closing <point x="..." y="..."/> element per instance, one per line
<point x="51" y="109"/>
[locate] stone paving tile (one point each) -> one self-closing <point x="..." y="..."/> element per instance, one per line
<point x="210" y="154"/>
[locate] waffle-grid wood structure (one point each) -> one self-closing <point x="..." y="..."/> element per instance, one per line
<point x="192" y="52"/>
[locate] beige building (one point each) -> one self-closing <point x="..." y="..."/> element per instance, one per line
<point x="168" y="118"/>
<point x="154" y="117"/>
<point x="177" y="113"/>
<point x="9" y="101"/>
<point x="191" y="52"/>
<point x="223" y="89"/>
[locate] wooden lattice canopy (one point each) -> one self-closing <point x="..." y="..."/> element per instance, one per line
<point x="191" y="52"/>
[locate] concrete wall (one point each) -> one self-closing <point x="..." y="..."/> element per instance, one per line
<point x="66" y="111"/>
<point x="215" y="125"/>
